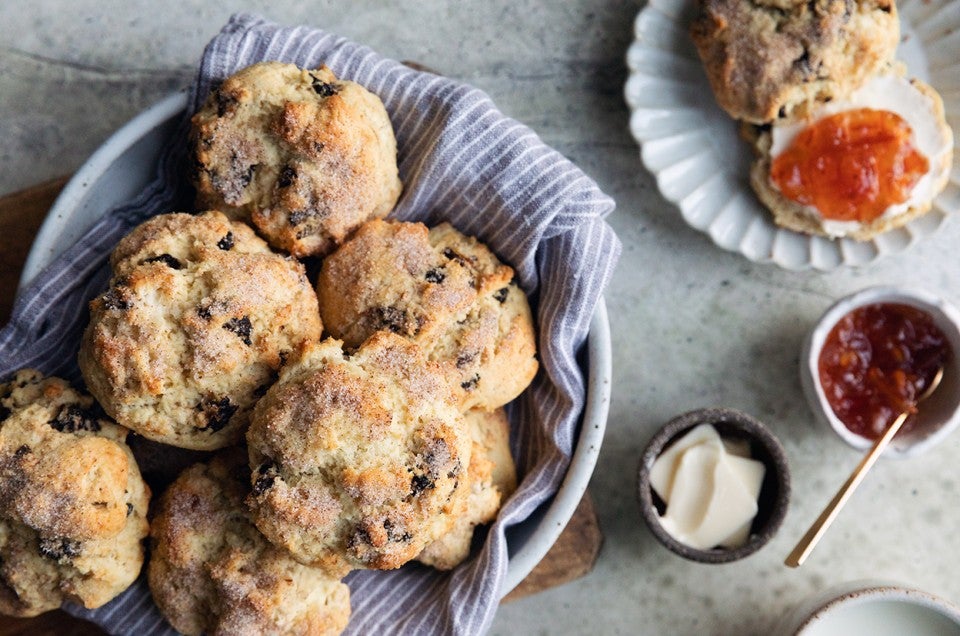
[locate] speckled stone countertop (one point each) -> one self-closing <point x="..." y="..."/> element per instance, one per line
<point x="692" y="325"/>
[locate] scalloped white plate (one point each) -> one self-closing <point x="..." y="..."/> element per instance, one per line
<point x="701" y="165"/>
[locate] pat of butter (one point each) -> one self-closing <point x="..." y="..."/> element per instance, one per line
<point x="710" y="489"/>
<point x="751" y="473"/>
<point x="689" y="499"/>
<point x="665" y="467"/>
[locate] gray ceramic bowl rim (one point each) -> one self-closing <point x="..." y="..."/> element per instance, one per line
<point x="822" y="604"/>
<point x="947" y="318"/>
<point x="81" y="201"/>
<point x="725" y="417"/>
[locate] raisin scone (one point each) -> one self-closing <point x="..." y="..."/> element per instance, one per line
<point x="304" y="156"/>
<point x="444" y="290"/>
<point x="73" y="506"/>
<point x="491" y="479"/>
<point x="774" y="58"/>
<point x="212" y="572"/>
<point x="358" y="459"/>
<point x="196" y="323"/>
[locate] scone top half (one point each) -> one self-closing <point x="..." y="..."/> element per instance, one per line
<point x="777" y="58"/>
<point x="305" y="156"/>
<point x="198" y="318"/>
<point x="73" y="505"/>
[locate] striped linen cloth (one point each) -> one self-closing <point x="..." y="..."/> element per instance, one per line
<point x="462" y="161"/>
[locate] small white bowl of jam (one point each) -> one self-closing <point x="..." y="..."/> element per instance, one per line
<point x="870" y="357"/>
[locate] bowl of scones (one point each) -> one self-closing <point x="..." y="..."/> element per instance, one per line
<point x="330" y="383"/>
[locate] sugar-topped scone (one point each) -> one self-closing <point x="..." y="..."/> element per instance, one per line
<point x="198" y="318"/>
<point x="358" y="459"/>
<point x="444" y="290"/>
<point x="491" y="479"/>
<point x="73" y="506"/>
<point x="774" y="58"/>
<point x="303" y="155"/>
<point x="212" y="572"/>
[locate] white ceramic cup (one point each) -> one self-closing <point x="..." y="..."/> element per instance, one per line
<point x="871" y="608"/>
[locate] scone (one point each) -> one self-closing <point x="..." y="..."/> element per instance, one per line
<point x="196" y="323"/>
<point x="304" y="156"/>
<point x="491" y="478"/>
<point x="358" y="459"/>
<point x="73" y="506"/>
<point x="441" y="289"/>
<point x="859" y="165"/>
<point x="212" y="572"/>
<point x="774" y="58"/>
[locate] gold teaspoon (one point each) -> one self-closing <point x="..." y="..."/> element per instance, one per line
<point x="809" y="540"/>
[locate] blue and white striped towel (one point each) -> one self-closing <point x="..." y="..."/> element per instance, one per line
<point x="462" y="161"/>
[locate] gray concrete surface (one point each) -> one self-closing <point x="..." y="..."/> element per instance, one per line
<point x="692" y="325"/>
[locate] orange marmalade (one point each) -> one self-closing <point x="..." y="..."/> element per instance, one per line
<point x="876" y="361"/>
<point x="851" y="166"/>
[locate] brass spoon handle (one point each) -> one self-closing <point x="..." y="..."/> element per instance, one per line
<point x="809" y="540"/>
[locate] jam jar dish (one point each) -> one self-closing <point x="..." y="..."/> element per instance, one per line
<point x="938" y="414"/>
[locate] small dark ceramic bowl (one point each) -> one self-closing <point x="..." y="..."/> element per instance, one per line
<point x="764" y="447"/>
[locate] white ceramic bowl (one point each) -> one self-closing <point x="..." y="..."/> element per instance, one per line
<point x="940" y="413"/>
<point x="126" y="163"/>
<point x="874" y="609"/>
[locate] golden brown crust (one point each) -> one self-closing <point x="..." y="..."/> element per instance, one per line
<point x="357" y="459"/>
<point x="194" y="327"/>
<point x="72" y="503"/>
<point x="304" y="156"/>
<point x="212" y="572"/>
<point x="774" y="58"/>
<point x="443" y="290"/>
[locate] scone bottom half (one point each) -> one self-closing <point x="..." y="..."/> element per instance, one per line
<point x="302" y="155"/>
<point x="861" y="165"/>
<point x="197" y="321"/>
<point x="73" y="506"/>
<point x="358" y="459"/>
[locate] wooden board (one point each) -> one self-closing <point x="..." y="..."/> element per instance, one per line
<point x="572" y="556"/>
<point x="21" y="213"/>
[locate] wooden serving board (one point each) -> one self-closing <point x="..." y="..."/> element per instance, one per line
<point x="21" y="213"/>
